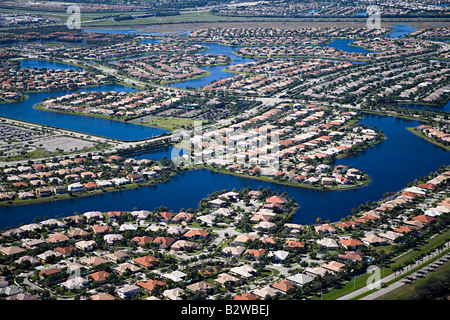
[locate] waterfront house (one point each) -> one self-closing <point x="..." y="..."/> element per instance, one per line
<point x="95" y="215"/>
<point x="43" y="192"/>
<point x="57" y="190"/>
<point x="75" y="187"/>
<point x="164" y="216"/>
<point x="140" y="215"/>
<point x="135" y="178"/>
<point x="324" y="229"/>
<point x="26" y="195"/>
<point x="183" y="216"/>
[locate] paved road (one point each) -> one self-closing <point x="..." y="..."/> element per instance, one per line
<point x="396" y="284"/>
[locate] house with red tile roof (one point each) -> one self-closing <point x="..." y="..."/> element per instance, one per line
<point x="349" y="224"/>
<point x="254" y="253"/>
<point x="150" y="284"/>
<point x="424" y="218"/>
<point x="164" y="242"/>
<point x="183" y="216"/>
<point x="283" y="285"/>
<point x="352" y="244"/>
<point x="165" y="216"/>
<point x="294" y="243"/>
<point x="351" y="255"/>
<point x="98" y="229"/>
<point x="245" y="297"/>
<point x="66" y="251"/>
<point x="145" y="261"/>
<point x="404" y="229"/>
<point x="99" y="276"/>
<point x="196" y="233"/>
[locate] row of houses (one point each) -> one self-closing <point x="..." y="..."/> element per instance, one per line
<point x="276" y="36"/>
<point x="79" y="175"/>
<point x="28" y="79"/>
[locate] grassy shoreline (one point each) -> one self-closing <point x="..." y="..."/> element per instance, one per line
<point x="287" y="183"/>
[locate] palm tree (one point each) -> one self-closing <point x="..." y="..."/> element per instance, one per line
<point x="397" y="269"/>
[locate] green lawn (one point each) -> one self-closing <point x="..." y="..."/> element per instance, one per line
<point x="167" y="123"/>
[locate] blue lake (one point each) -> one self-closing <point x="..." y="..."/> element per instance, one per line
<point x="343" y="45"/>
<point x="401" y="30"/>
<point x="50" y="65"/>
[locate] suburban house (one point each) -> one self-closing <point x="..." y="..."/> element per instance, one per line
<point x="351" y="244"/>
<point x="128" y="291"/>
